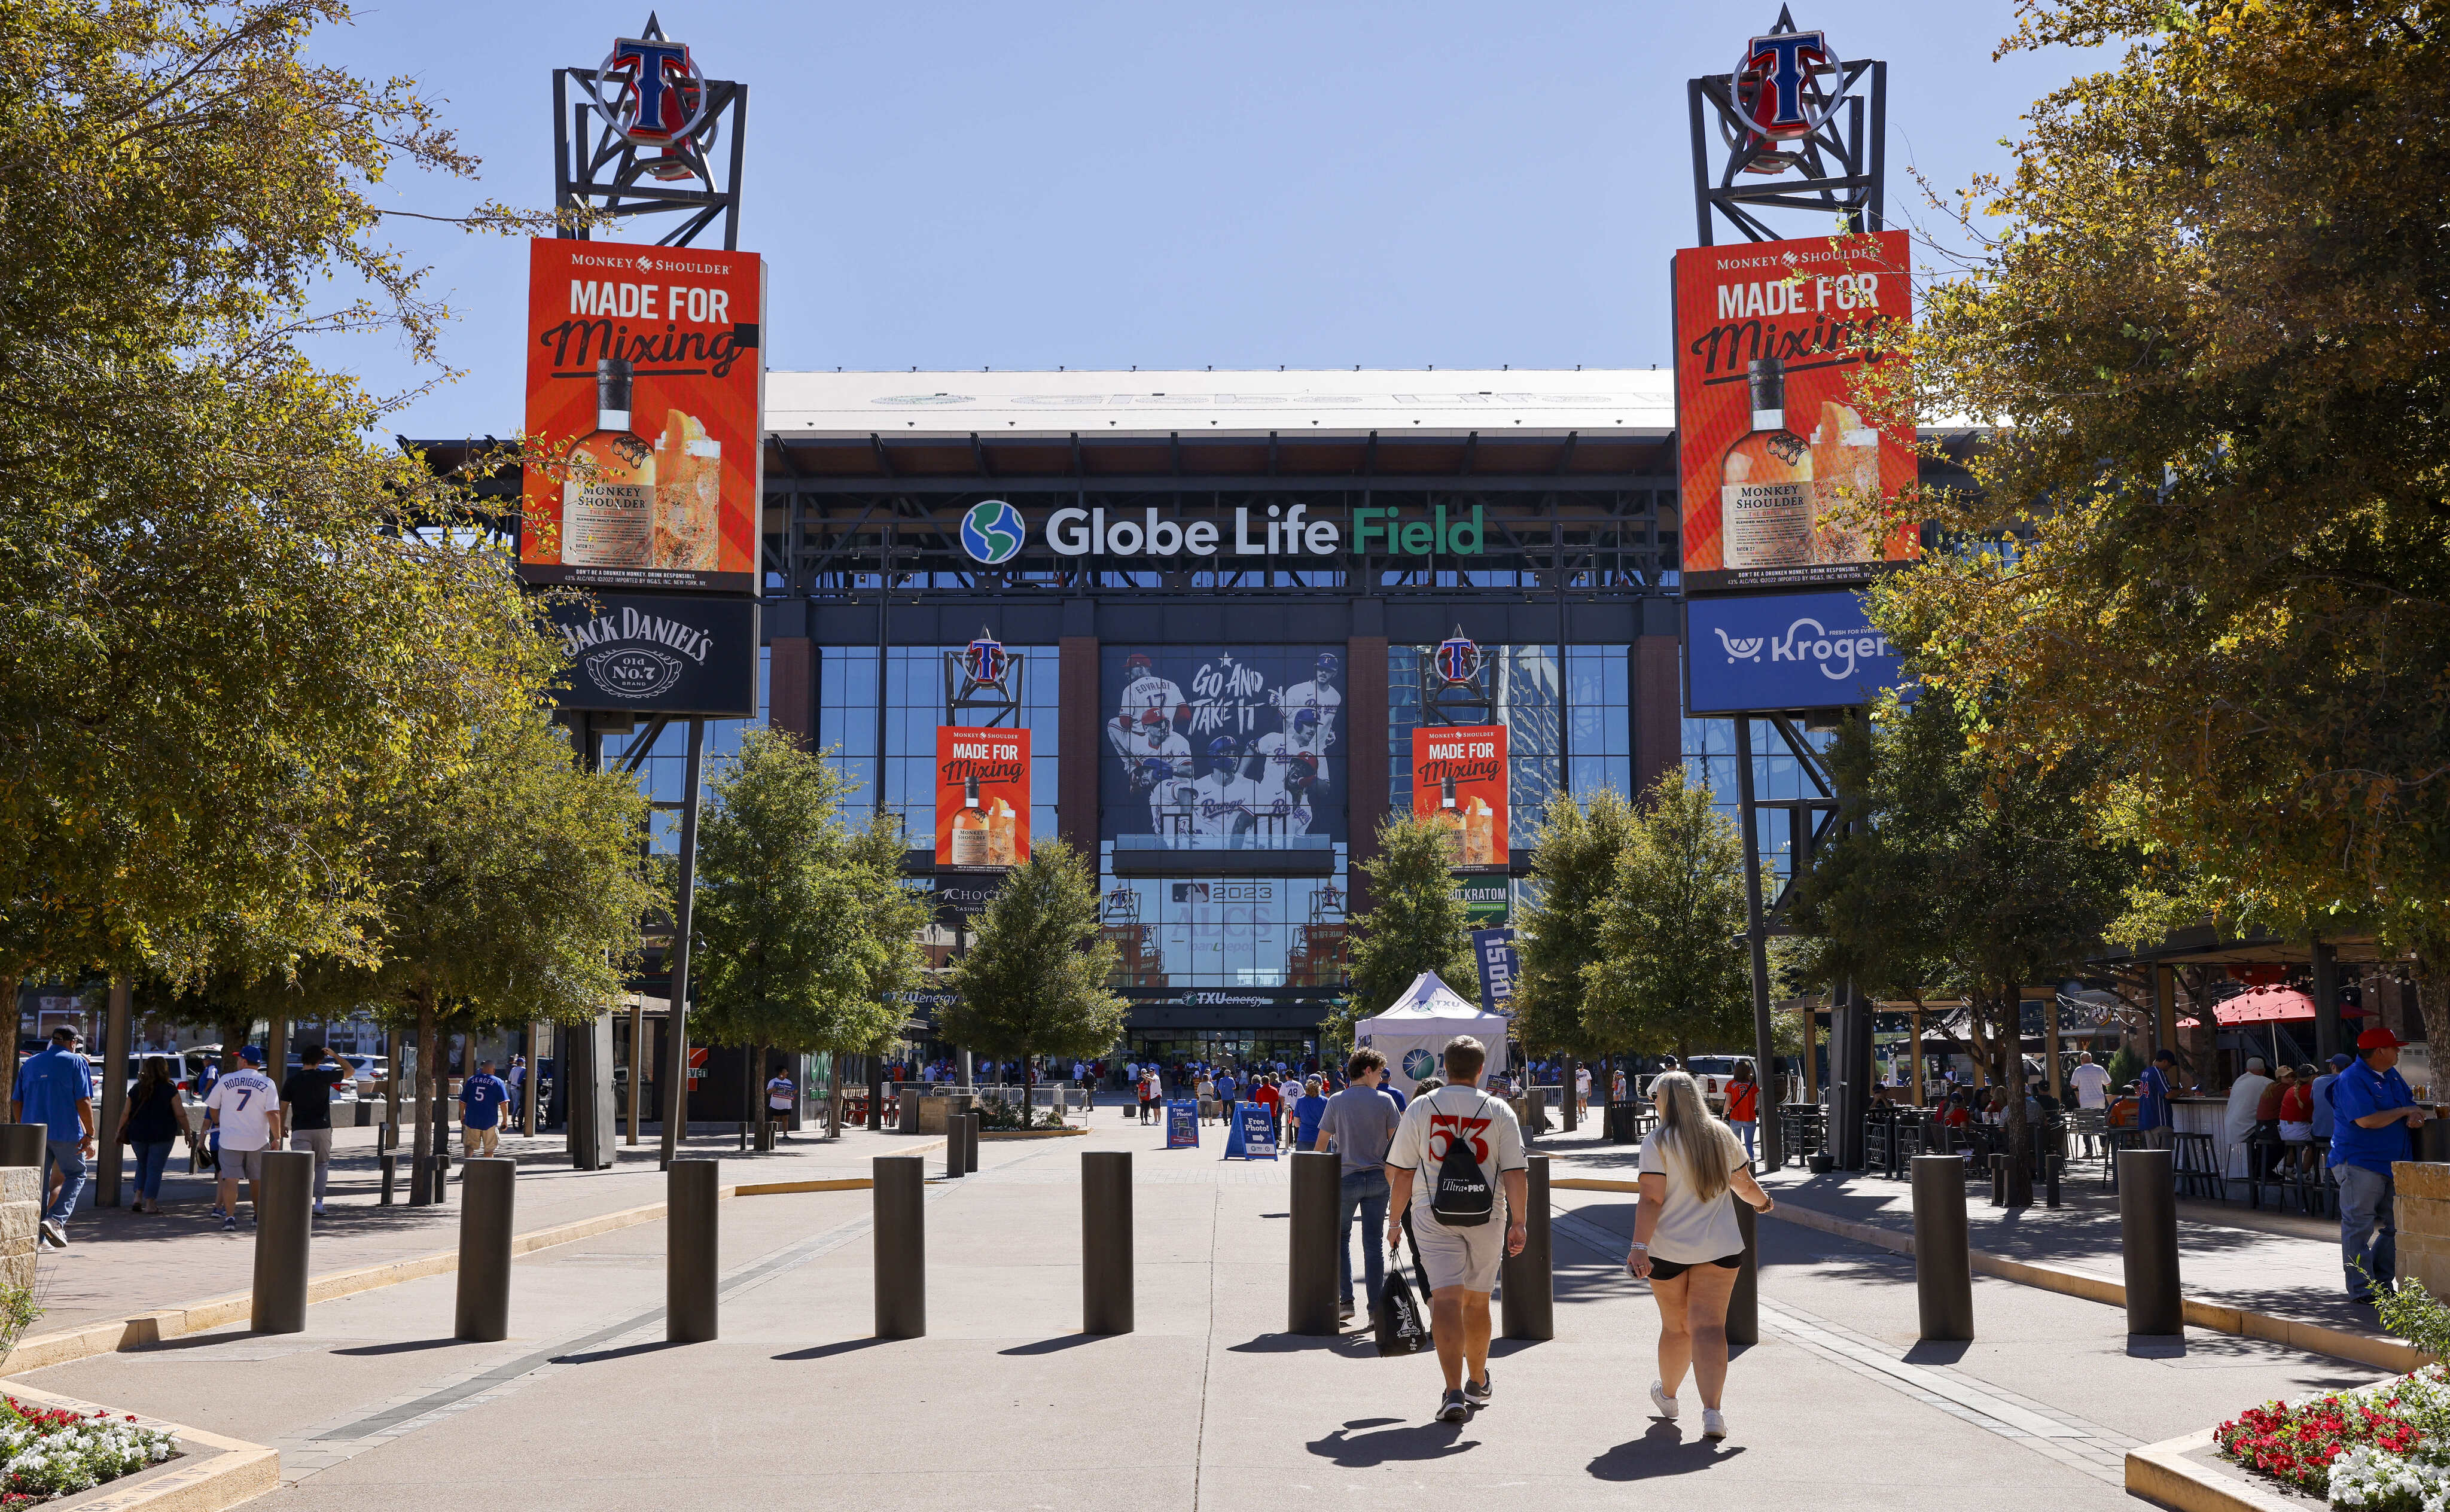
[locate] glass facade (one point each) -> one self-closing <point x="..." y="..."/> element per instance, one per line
<point x="664" y="773"/>
<point x="914" y="707"/>
<point x="1216" y="934"/>
<point x="1710" y="759"/>
<point x="1524" y="683"/>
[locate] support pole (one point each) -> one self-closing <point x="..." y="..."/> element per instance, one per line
<point x="676" y="1095"/>
<point x="534" y="1079"/>
<point x="1914" y="1059"/>
<point x="875" y="1092"/>
<point x="2326" y="961"/>
<point x="691" y="1262"/>
<point x="2148" y="1234"/>
<point x="282" y="1198"/>
<point x="116" y="1042"/>
<point x="899" y="1197"/>
<point x="1743" y="1304"/>
<point x="1106" y="1241"/>
<point x="1773" y="1135"/>
<point x="1943" y="1267"/>
<point x="2051" y="1046"/>
<point x="639" y="1061"/>
<point x="1573" y="1113"/>
<point x="1310" y="1301"/>
<point x="483" y="1312"/>
<point x="1528" y="1280"/>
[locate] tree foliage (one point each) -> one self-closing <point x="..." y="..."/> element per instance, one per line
<point x="1954" y="868"/>
<point x="229" y="626"/>
<point x="1671" y="969"/>
<point x="806" y="933"/>
<point x="1575" y="864"/>
<point x="2210" y="321"/>
<point x="1415" y="923"/>
<point x="1034" y="980"/>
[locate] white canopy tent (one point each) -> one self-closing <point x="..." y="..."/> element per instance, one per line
<point x="1412" y="1032"/>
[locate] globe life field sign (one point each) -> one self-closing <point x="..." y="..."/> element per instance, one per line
<point x="994" y="532"/>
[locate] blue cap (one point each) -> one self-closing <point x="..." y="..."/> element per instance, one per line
<point x="2342" y="1061"/>
<point x="1221" y="748"/>
<point x="250" y="1055"/>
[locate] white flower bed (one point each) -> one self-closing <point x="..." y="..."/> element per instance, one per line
<point x="46" y="1454"/>
<point x="2373" y="1480"/>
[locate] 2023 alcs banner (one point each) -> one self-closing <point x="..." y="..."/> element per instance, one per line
<point x="645" y="386"/>
<point x="1770" y="434"/>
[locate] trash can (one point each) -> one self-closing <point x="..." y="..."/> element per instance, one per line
<point x="1619" y="1123"/>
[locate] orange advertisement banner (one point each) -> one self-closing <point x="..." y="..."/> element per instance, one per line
<point x="982" y="797"/>
<point x="1459" y="780"/>
<point x="1769" y="338"/>
<point x="646" y="385"/>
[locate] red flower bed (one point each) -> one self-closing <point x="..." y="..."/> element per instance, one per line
<point x="2298" y="1443"/>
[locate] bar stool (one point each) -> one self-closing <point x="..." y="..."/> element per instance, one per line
<point x="2197" y="1160"/>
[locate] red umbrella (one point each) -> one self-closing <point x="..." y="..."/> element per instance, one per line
<point x="2263" y="1005"/>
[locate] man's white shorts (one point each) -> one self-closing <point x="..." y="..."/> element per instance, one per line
<point x="1460" y="1257"/>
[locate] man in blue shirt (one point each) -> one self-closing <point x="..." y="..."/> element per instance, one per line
<point x="2373" y="1112"/>
<point x="2152" y="1099"/>
<point x="2323" y="1110"/>
<point x="55" y="1089"/>
<point x="481" y="1097"/>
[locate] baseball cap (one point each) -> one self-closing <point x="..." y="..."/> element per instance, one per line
<point x="2342" y="1061"/>
<point x="249" y="1054"/>
<point x="2379" y="1038"/>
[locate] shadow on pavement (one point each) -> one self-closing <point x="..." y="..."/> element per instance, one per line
<point x="1937" y="1351"/>
<point x="822" y="1352"/>
<point x="403" y="1347"/>
<point x="1347" y="1343"/>
<point x="1661" y="1450"/>
<point x="1068" y="1340"/>
<point x="1380" y="1444"/>
<point x="592" y="1356"/>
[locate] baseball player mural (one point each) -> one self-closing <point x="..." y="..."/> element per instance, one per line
<point x="1230" y="747"/>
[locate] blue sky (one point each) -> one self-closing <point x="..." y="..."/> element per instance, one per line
<point x="952" y="185"/>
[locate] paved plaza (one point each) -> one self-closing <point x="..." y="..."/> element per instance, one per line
<point x="1209" y="1404"/>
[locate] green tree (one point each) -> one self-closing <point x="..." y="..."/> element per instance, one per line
<point x="1671" y="967"/>
<point x="1034" y="981"/>
<point x="806" y="933"/>
<point x="1416" y="923"/>
<point x="1577" y="853"/>
<point x="1954" y="867"/>
<point x="2212" y="323"/>
<point x="511" y="893"/>
<point x="228" y="624"/>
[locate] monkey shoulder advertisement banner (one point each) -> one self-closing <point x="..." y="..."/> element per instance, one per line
<point x="645" y="386"/>
<point x="1459" y="775"/>
<point x="1770" y="337"/>
<point x="982" y="797"/>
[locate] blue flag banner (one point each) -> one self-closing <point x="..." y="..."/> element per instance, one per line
<point x="1251" y="1134"/>
<point x="1494" y="950"/>
<point x="1183" y="1126"/>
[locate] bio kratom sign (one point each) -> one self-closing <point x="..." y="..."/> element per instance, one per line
<point x="993" y="533"/>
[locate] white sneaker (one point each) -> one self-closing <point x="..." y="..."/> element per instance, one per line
<point x="1660" y="1398"/>
<point x="1714" y="1424"/>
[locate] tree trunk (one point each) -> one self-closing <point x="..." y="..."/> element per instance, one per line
<point x="2432" y="980"/>
<point x="2016" y="1126"/>
<point x="420" y="1186"/>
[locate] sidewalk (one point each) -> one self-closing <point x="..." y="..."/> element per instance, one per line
<point x="120" y="1263"/>
<point x="2287" y="1265"/>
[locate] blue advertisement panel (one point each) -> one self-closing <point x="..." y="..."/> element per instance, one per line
<point x="1183" y="1126"/>
<point x="1494" y="950"/>
<point x="1784" y="651"/>
<point x="1252" y="1133"/>
<point x="1223" y="748"/>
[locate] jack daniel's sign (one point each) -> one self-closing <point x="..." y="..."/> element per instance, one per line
<point x="658" y="653"/>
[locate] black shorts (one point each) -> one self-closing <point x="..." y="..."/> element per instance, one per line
<point x="1670" y="1269"/>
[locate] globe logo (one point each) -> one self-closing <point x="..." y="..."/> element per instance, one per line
<point x="1419" y="1065"/>
<point x="992" y="532"/>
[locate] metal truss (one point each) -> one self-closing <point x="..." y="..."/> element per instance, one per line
<point x="595" y="167"/>
<point x="1839" y="170"/>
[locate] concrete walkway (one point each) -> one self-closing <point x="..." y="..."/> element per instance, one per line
<point x="1211" y="1405"/>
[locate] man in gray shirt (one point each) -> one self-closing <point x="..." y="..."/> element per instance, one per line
<point x="1359" y="1124"/>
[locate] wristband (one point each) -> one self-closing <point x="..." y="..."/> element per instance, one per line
<point x="1644" y="1248"/>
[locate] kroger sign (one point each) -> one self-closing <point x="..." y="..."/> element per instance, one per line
<point x="1784" y="651"/>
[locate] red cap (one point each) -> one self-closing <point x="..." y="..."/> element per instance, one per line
<point x="2379" y="1038"/>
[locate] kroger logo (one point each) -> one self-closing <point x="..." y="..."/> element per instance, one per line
<point x="1808" y="641"/>
<point x="992" y="532"/>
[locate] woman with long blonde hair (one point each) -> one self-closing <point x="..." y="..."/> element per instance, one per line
<point x="1686" y="1243"/>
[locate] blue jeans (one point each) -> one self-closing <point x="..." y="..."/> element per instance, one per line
<point x="2368" y="1227"/>
<point x="152" y="1158"/>
<point x="65" y="1155"/>
<point x="1750" y="1130"/>
<point x="1365" y="1192"/>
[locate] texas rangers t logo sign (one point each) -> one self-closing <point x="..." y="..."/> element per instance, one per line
<point x="659" y="67"/>
<point x="1784" y="62"/>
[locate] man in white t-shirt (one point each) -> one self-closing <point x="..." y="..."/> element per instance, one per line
<point x="1581" y="1088"/>
<point x="245" y="1108"/>
<point x="1461" y="1262"/>
<point x="2091" y="1082"/>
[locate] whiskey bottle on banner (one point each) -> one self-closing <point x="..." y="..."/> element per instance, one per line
<point x="970" y="845"/>
<point x="608" y="501"/>
<point x="1448" y="820"/>
<point x="1765" y="493"/>
<point x="1845" y="461"/>
<point x="1000" y="848"/>
<point x="1479" y="833"/>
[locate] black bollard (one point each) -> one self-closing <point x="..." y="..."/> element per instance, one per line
<point x="483" y="1314"/>
<point x="970" y="1141"/>
<point x="1106" y="1241"/>
<point x="1998" y="1180"/>
<point x="21" y="1144"/>
<point x="1528" y="1280"/>
<point x="691" y="1251"/>
<point x="1743" y="1303"/>
<point x="1318" y="1196"/>
<point x="2147" y="1233"/>
<point x="2051" y="1179"/>
<point x="899" y="1205"/>
<point x="1943" y="1268"/>
<point x="284" y="1199"/>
